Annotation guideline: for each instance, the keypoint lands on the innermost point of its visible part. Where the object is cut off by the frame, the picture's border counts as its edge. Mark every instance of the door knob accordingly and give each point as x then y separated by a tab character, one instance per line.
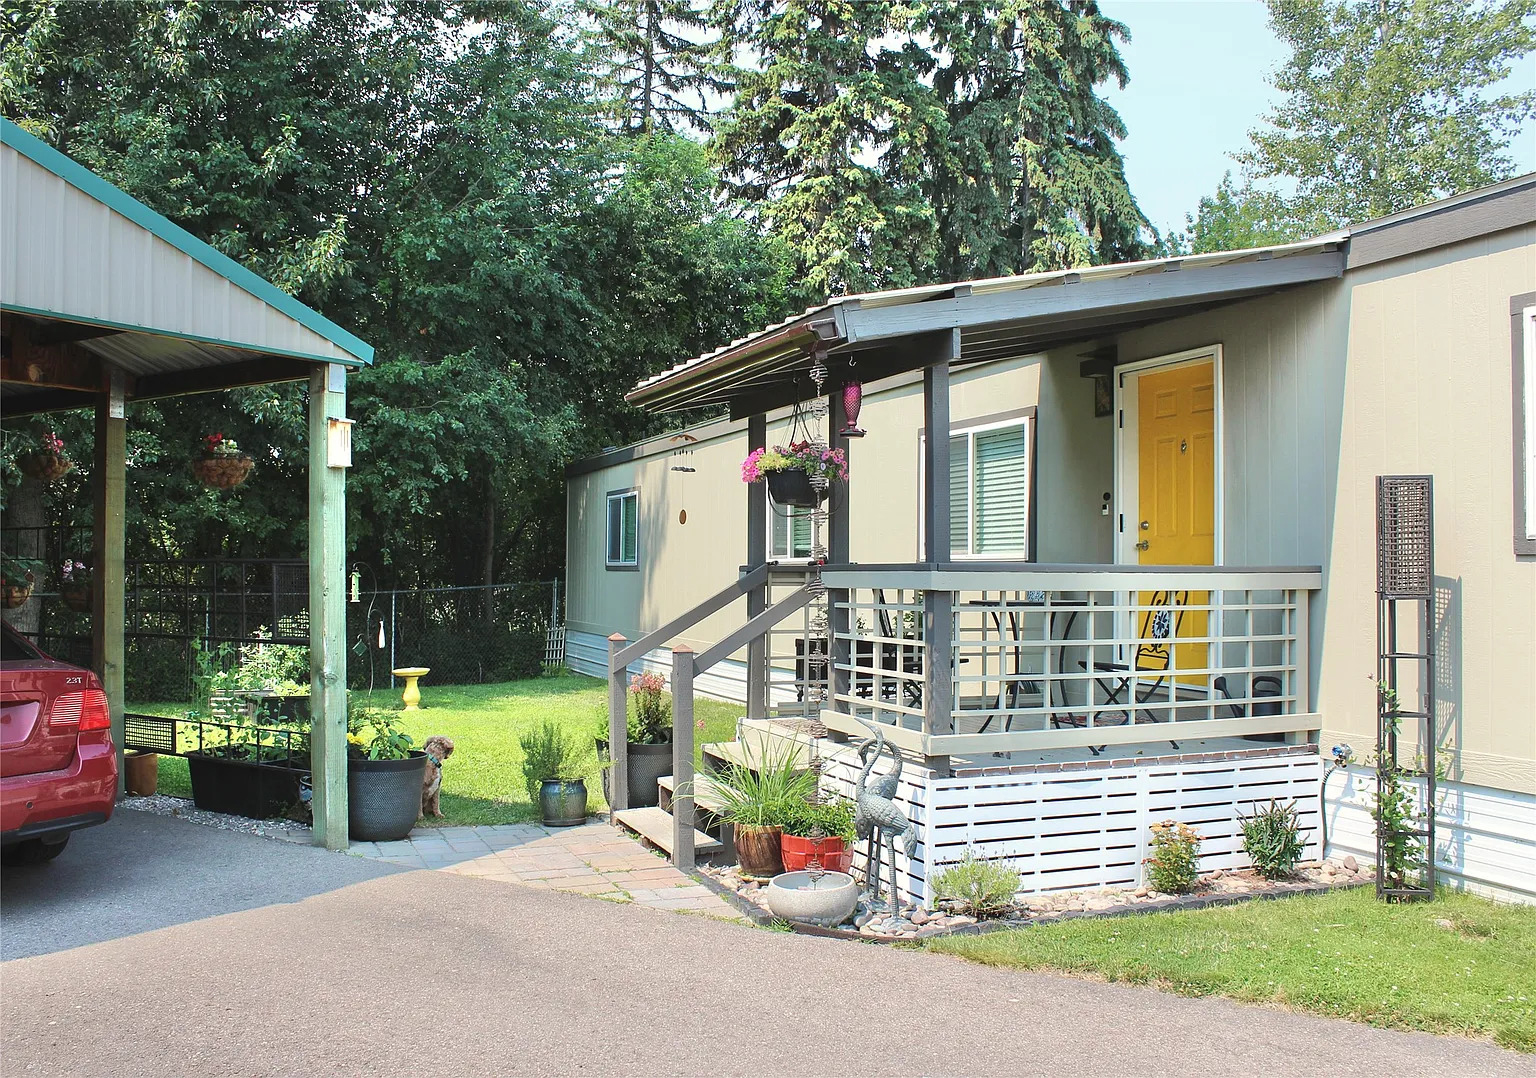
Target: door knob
1143	545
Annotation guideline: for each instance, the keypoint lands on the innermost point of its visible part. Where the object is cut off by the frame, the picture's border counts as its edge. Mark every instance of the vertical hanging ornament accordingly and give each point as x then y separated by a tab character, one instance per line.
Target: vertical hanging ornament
853	401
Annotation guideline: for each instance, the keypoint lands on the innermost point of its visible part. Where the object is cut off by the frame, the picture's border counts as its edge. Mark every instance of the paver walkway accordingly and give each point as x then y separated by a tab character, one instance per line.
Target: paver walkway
594	859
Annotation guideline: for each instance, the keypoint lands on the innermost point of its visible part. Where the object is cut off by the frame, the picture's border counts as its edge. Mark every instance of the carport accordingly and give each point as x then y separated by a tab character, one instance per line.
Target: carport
104	301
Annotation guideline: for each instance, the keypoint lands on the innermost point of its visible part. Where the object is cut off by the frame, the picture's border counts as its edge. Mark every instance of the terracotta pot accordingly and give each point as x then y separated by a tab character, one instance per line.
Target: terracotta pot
141	773
757	850
44	466
14	595
797	852
77	597
223	473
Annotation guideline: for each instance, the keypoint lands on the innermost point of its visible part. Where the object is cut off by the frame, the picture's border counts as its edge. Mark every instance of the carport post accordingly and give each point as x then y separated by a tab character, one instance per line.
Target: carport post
327	609
107	550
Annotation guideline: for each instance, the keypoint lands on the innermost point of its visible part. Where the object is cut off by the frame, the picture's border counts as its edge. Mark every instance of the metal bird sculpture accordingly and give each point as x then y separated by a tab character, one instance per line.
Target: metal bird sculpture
876	819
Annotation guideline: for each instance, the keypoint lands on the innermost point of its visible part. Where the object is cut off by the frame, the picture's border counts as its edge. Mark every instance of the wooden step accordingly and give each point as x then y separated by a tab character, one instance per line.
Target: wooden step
749	751
706	796
655	826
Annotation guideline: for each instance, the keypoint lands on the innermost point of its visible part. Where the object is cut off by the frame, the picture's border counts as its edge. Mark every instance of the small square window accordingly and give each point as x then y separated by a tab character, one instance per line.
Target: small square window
623	528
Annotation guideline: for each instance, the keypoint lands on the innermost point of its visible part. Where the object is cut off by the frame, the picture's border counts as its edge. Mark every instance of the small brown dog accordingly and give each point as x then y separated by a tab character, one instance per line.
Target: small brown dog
438	749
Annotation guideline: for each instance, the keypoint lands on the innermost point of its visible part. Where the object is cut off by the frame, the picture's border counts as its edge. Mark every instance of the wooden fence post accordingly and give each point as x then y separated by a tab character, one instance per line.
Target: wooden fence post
682	757
618	731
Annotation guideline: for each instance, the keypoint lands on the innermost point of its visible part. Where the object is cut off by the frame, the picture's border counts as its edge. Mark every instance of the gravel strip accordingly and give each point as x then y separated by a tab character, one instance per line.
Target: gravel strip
164	805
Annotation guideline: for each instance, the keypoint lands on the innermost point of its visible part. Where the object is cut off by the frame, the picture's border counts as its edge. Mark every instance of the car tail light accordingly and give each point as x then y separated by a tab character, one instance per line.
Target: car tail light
87	709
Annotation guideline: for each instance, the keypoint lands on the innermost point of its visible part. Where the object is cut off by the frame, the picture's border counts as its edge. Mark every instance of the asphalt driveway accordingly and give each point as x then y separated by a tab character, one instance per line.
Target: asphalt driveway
293	969
139	872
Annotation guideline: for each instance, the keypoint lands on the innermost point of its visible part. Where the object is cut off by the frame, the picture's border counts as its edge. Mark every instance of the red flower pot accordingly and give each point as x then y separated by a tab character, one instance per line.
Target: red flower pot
798	851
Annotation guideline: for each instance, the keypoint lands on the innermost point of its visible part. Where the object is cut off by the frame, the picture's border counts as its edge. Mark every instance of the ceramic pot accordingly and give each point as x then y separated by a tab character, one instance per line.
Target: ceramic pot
798	851
563	802
141	773
757	850
384	797
648	764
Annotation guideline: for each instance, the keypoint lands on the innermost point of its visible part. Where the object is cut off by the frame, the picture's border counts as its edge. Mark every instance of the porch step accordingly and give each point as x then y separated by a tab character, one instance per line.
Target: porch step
655	826
750	754
706	795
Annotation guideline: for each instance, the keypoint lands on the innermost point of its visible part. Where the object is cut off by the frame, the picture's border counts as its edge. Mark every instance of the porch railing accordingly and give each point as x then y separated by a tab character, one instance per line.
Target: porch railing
971	658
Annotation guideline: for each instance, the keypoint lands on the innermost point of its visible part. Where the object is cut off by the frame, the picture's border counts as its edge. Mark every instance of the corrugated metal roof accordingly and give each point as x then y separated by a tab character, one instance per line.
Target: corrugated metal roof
80	250
995	314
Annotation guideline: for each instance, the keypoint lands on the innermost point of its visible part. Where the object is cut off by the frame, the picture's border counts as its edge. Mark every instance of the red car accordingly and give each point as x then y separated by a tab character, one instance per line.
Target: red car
58	767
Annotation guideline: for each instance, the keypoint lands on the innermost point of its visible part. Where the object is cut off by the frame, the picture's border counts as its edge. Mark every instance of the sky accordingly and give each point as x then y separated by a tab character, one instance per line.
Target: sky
1198	84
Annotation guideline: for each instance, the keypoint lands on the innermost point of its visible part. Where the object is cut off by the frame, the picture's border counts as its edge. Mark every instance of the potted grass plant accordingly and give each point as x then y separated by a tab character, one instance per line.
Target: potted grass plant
554	772
756	802
789	469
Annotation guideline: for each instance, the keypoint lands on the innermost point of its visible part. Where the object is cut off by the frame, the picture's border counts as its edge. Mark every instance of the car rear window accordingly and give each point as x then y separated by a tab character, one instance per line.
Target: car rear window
14	648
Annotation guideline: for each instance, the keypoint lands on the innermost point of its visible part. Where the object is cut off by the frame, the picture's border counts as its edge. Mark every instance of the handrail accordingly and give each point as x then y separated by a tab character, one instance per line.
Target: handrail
1004	576
754	628
688	619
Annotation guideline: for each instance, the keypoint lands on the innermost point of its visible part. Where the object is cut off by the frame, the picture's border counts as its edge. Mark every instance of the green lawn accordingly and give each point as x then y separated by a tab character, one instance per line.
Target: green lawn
483	781
1460	964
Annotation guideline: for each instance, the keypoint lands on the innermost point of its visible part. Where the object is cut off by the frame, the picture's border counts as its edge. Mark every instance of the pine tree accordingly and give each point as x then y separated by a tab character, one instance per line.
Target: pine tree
656	64
1026	174
821	97
1390	103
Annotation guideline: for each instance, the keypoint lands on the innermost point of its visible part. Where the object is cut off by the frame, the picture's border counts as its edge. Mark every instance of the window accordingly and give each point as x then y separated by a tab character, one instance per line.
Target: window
989	489
1523	326
790	536
623	529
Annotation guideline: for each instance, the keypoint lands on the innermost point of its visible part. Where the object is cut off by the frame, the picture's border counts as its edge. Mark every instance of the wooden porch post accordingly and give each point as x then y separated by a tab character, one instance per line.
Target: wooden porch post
327	610
938	610
682	757
618	730
757	554
107	543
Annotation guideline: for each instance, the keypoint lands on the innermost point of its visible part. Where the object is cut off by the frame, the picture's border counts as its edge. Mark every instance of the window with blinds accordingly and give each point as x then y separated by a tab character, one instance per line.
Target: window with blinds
791	532
989	490
623	528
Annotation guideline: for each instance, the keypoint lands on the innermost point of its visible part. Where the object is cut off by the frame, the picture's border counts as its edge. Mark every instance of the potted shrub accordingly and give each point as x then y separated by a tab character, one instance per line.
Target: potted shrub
17	577
788	470
47	461
384	777
650	739
75	586
222	465
554	771
822	831
757	802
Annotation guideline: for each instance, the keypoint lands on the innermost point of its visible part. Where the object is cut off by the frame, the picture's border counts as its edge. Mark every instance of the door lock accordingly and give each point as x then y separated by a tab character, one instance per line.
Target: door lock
1143	545
1146	525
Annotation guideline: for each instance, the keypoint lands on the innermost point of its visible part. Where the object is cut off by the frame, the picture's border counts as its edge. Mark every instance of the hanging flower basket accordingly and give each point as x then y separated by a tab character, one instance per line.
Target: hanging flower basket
77	597
222	465
41	464
14	595
223	473
793	487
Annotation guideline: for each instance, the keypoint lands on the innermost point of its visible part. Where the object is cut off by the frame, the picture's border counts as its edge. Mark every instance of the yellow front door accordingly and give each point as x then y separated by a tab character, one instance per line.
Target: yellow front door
1176	517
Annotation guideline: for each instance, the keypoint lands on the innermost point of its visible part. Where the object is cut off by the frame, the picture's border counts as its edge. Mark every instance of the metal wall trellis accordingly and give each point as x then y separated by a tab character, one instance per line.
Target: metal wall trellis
1405	593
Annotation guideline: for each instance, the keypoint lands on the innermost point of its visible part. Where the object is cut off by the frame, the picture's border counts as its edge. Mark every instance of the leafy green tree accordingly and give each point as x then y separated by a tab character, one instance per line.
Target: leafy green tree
655	63
824	93
1025	172
1236	218
1392	103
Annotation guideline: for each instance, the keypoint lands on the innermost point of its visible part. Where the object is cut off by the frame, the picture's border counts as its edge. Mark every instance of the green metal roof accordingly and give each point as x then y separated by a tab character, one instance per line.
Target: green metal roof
120	202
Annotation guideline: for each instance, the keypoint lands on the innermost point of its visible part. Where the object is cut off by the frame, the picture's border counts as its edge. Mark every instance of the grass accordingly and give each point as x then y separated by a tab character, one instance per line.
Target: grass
483	781
1460	964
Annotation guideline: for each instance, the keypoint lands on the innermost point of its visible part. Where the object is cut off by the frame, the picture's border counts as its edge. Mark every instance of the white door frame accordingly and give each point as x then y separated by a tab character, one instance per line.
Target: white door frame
1127	470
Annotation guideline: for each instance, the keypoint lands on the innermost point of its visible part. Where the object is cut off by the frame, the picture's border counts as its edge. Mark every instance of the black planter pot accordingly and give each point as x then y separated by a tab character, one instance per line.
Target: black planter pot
793	487
244	788
563	802
384	797
647	765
